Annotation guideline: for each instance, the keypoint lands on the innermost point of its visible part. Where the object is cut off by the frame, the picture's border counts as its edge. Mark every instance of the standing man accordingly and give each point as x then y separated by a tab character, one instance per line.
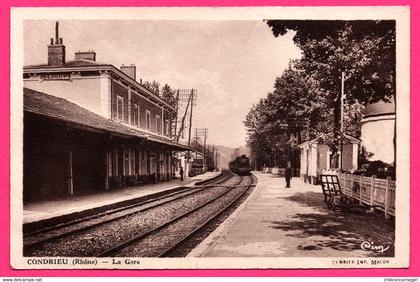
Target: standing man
288	174
181	173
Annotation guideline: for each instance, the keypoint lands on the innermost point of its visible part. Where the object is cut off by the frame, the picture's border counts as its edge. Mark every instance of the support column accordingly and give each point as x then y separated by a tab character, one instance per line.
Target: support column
70	188
129	107
108	170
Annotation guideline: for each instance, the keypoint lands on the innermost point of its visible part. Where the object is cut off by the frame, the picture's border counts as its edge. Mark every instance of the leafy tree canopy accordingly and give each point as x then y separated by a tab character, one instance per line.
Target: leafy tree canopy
277	123
364	50
168	94
311	86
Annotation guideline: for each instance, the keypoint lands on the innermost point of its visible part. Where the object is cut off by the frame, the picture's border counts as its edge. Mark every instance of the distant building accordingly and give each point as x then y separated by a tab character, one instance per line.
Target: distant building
316	157
92	127
378	131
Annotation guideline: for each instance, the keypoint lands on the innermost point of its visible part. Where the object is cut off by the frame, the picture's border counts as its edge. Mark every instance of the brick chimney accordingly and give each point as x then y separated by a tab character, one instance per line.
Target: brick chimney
129	70
88	55
56	50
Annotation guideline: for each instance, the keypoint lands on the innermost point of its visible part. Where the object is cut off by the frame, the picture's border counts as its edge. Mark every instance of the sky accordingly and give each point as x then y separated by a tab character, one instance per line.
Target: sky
232	64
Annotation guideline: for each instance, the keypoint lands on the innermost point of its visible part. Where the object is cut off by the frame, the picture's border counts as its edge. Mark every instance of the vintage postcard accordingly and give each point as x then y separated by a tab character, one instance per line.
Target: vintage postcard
210	138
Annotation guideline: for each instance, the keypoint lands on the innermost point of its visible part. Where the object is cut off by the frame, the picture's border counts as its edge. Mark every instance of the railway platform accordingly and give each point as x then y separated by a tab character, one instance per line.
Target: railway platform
275	221
55	208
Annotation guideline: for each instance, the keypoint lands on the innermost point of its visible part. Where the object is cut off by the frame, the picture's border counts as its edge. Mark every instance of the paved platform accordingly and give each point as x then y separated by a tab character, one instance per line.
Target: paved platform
293	222
42	210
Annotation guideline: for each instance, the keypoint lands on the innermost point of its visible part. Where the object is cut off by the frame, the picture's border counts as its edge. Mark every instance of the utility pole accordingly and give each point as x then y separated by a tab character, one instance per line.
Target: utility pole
204	149
191	113
196	142
183	97
342	120
176	115
202	132
217	160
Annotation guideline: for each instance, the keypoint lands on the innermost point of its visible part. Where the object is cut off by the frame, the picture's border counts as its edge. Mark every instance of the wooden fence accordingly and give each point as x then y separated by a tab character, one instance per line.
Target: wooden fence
370	190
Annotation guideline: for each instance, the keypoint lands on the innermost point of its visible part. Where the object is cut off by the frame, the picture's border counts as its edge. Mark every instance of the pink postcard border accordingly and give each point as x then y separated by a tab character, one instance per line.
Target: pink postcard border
6	270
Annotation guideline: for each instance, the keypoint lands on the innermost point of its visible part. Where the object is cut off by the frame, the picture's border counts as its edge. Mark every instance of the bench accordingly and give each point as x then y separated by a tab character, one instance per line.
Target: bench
336	199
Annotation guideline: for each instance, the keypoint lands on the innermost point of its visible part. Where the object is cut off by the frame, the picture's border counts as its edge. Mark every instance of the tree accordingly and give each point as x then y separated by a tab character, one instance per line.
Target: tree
277	124
364	50
152	86
168	94
155	87
256	139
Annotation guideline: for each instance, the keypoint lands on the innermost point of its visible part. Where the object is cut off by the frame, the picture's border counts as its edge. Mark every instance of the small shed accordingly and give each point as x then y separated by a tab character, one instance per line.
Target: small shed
313	159
315	156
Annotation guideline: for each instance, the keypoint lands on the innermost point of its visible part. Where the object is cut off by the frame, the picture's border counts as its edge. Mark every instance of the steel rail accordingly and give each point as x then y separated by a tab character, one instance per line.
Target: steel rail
222	177
185	192
101	214
131	241
204	224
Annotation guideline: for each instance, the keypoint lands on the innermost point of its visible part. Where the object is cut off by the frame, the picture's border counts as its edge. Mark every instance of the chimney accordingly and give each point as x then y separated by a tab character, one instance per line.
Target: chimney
129	70
56	50
88	55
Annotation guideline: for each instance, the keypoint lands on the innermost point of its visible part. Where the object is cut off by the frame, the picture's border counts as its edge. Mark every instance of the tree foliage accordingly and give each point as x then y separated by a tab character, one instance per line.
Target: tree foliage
168	94
152	86
277	123
363	50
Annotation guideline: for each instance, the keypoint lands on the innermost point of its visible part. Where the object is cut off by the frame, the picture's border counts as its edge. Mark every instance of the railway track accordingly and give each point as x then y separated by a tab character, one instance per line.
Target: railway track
170	235
55	241
41	236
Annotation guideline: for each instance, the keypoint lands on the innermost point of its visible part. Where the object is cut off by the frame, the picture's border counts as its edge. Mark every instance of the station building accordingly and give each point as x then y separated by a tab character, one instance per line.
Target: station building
92	127
377	133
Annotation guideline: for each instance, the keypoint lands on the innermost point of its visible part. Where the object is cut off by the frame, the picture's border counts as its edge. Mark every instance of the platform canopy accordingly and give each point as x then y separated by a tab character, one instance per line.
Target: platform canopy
75	116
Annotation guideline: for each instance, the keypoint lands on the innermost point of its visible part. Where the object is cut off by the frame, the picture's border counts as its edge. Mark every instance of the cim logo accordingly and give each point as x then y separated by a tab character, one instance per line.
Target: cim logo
370	246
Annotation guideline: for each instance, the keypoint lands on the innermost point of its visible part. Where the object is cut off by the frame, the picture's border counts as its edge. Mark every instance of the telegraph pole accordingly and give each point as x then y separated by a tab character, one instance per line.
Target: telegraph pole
204	149
176	115
196	142
202	132
191	112
342	120
184	97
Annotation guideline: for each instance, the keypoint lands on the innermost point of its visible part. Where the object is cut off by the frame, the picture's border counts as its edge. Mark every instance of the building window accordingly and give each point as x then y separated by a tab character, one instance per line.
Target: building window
167	128
136	115
120	108
148	121
158	125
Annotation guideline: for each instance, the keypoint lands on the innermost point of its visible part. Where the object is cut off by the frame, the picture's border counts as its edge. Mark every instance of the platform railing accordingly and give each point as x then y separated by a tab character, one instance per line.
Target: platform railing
370	190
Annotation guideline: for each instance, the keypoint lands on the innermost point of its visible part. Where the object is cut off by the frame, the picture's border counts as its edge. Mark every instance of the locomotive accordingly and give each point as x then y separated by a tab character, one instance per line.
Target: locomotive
240	165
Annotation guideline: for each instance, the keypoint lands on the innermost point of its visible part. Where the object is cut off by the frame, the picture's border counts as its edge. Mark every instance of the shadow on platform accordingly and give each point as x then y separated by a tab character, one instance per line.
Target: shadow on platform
335	230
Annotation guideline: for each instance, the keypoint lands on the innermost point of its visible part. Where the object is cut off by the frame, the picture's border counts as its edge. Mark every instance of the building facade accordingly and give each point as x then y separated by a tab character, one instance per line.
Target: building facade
315	157
132	145
378	131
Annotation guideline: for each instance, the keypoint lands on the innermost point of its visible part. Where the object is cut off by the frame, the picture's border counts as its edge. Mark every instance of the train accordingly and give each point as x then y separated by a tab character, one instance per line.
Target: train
240	165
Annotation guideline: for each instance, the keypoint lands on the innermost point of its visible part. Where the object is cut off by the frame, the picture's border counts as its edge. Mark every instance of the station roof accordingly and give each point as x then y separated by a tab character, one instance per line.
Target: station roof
88	65
63	110
68	64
